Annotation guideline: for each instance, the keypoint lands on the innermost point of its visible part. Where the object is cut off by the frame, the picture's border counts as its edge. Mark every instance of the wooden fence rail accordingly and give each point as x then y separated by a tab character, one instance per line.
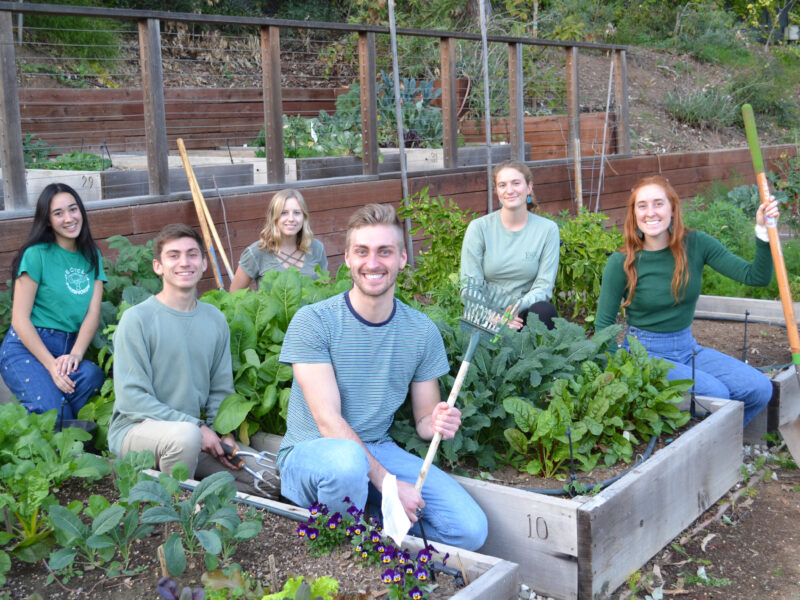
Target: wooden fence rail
206	118
156	106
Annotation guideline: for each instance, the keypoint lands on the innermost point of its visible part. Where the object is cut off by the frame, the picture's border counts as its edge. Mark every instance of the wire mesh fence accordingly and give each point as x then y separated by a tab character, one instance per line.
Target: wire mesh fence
83	115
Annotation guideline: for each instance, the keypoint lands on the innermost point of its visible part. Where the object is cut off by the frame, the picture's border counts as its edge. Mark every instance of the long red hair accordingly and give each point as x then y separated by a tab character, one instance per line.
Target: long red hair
634	243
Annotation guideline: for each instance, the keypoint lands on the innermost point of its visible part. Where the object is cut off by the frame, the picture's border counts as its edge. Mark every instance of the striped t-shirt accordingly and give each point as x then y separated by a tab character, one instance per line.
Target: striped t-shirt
374	364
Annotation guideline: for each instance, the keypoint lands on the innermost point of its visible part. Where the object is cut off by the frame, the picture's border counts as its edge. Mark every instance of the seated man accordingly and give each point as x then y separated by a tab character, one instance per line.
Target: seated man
172	367
354	357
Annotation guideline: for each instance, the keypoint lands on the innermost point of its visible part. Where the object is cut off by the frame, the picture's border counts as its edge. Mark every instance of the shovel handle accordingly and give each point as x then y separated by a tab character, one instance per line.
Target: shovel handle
451	400
774	240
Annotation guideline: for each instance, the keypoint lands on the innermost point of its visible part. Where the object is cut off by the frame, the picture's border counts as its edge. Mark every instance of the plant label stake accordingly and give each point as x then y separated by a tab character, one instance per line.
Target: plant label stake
790	431
487	310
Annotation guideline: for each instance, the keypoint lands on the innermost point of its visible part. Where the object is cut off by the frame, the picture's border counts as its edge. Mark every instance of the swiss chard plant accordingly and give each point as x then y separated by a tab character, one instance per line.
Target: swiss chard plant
33	462
258	322
601	412
525	364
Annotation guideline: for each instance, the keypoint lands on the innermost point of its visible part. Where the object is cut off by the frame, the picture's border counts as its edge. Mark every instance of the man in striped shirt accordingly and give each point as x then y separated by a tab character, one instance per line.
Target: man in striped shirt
355	358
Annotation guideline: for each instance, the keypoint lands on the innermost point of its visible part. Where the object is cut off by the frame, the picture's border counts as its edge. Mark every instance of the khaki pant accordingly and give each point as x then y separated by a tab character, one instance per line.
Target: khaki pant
179	441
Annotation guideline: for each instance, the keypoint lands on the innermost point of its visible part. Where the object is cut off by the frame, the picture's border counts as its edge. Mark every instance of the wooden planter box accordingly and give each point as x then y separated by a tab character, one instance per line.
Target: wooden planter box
784	406
488	577
586	547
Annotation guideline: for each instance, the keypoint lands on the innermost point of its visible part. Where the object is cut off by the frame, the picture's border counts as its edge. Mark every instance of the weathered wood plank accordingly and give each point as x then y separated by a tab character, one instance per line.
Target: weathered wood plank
631	520
153	93
14	194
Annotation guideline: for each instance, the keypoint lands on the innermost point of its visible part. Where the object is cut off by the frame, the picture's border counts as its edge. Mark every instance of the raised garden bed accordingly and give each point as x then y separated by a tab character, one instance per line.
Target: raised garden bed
488	577
585	547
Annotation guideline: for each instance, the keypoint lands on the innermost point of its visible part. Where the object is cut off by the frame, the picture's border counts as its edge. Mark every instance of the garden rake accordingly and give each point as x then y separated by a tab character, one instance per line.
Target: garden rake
267	477
487	309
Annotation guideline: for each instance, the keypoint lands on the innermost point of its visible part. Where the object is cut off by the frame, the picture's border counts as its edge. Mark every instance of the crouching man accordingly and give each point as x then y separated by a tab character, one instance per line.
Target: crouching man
172	367
354	358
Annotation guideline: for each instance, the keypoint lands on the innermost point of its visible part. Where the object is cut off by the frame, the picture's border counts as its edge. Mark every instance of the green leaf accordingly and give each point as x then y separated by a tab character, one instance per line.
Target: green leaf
61	559
210	540
159	514
99	542
232	413
213	484
517	440
247	530
149	491
175	555
107	520
67	524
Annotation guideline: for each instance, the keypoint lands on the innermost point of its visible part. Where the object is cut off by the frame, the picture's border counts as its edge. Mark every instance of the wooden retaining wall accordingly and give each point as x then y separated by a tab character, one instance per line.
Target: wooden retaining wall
549	136
331	204
205	117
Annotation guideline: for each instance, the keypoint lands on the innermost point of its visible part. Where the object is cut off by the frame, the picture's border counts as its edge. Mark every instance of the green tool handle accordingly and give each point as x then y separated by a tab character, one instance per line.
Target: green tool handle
774	239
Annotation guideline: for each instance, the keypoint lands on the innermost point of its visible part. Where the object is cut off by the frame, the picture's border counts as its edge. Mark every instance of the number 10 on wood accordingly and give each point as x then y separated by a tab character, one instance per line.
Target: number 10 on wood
537	528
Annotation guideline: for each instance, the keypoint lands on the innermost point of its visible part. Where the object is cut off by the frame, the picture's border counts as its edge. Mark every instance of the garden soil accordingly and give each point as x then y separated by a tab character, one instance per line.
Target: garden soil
746	544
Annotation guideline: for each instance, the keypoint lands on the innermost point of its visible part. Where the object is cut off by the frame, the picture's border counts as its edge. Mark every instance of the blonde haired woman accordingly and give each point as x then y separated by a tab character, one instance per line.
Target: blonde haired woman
286	241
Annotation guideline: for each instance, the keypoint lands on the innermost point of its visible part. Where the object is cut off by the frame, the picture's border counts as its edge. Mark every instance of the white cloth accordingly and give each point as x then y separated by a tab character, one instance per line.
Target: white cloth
395	521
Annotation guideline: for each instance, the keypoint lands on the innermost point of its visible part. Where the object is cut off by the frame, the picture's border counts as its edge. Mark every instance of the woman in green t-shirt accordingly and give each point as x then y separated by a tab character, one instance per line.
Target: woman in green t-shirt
657	275
285	241
57	288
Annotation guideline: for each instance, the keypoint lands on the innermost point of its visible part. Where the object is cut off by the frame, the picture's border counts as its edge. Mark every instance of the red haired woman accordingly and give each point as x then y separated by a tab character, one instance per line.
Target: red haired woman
657	275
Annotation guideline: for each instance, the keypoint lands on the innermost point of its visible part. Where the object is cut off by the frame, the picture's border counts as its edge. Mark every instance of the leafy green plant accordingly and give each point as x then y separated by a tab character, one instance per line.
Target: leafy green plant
208	520
585	247
525	364
78	161
33	461
443	223
601	412
258	322
113	529
297	588
36	151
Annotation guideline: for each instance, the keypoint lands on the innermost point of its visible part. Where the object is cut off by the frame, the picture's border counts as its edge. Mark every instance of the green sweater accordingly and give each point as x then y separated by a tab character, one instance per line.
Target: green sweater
169	365
524	262
654	308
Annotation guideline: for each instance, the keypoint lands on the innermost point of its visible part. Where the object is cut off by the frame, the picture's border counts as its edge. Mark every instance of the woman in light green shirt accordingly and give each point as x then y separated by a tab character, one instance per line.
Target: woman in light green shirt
286	241
514	248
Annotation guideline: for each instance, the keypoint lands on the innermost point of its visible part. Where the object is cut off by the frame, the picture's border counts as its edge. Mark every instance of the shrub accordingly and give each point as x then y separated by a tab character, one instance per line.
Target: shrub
710	108
585	247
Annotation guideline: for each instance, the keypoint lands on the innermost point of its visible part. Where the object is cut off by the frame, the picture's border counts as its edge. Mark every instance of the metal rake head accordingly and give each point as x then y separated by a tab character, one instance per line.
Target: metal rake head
487	307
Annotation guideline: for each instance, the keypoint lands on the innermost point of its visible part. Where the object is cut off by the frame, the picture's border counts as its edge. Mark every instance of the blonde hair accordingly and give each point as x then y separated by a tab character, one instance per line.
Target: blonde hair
271	234
526	173
375	214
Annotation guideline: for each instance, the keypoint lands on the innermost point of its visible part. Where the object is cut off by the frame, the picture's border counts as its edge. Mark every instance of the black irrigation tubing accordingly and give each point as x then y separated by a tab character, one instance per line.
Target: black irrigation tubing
602	484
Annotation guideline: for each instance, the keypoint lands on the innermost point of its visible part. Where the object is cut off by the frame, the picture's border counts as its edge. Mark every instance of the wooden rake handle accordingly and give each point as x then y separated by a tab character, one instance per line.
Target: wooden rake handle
451	400
774	239
204	216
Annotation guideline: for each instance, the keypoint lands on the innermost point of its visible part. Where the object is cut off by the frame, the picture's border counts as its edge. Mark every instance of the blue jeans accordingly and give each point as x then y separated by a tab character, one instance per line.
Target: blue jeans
31	383
327	469
716	374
